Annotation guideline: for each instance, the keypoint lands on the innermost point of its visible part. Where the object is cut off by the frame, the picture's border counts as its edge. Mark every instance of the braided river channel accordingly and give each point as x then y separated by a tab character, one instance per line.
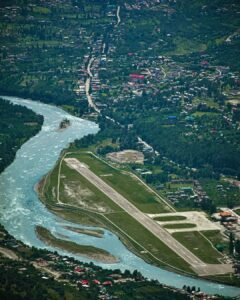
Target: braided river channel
21	210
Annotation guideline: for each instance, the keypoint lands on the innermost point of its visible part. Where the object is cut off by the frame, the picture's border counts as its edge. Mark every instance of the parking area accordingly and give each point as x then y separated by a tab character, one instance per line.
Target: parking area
192	217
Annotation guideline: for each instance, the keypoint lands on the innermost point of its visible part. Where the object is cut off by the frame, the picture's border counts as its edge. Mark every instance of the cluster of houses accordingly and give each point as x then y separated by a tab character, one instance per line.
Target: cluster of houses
148	73
229	219
85	276
191	191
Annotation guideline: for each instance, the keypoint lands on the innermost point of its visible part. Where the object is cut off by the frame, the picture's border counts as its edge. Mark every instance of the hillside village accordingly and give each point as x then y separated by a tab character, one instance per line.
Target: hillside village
83	280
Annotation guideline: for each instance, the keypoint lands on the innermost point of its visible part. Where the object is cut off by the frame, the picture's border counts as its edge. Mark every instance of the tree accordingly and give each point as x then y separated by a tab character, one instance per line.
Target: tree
237	247
231	243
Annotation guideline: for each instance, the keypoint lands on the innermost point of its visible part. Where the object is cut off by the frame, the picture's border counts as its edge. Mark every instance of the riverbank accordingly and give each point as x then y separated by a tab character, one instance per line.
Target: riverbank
128	230
96	232
23	266
88	217
18	124
88	251
23	210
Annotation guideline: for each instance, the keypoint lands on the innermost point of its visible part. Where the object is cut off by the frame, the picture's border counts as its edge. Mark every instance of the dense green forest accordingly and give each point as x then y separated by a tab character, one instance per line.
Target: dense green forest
208	144
17	125
29	284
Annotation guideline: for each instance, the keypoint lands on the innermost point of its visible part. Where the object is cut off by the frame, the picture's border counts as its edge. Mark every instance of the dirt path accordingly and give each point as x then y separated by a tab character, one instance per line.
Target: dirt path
8	253
198	266
118	16
55	274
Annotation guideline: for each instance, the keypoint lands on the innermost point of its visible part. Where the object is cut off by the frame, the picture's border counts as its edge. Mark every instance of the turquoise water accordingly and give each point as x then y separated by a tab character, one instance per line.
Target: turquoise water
21	209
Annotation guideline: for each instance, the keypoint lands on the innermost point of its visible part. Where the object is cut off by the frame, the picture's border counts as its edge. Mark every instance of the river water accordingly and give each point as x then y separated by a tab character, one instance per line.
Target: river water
21	210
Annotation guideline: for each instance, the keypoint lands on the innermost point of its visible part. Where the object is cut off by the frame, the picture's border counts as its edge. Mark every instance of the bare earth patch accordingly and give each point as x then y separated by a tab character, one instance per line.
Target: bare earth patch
126	156
82	197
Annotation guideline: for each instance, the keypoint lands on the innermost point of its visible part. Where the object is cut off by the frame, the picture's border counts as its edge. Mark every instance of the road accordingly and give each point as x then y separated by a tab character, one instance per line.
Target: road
87	86
118	16
140	141
89	67
164	73
197	265
103	48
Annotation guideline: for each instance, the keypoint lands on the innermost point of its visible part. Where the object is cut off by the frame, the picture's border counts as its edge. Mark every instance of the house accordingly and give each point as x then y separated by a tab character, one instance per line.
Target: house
84	283
96	281
107	283
78	270
136	76
225	214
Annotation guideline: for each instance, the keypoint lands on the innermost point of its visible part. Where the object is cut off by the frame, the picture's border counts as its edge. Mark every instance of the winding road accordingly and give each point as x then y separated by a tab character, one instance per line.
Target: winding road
88	84
118	15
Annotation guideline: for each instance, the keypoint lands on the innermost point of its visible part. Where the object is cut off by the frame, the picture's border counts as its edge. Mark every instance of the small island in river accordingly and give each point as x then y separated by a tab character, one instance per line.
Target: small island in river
89	251
65	123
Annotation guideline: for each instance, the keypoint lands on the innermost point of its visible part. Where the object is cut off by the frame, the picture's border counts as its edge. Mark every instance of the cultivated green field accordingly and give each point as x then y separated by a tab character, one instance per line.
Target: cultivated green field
195	242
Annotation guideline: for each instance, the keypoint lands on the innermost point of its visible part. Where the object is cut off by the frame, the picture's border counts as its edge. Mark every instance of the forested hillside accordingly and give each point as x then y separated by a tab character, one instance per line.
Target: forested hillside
17	125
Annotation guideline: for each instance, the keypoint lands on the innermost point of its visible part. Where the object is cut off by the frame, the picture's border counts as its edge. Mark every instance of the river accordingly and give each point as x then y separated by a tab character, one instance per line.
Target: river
21	210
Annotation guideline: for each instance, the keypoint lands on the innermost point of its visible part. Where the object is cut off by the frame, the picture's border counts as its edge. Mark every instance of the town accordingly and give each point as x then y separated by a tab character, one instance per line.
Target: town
162	80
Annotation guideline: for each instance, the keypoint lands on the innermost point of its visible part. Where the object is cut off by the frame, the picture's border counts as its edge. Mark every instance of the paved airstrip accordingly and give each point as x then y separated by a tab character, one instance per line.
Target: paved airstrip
156	229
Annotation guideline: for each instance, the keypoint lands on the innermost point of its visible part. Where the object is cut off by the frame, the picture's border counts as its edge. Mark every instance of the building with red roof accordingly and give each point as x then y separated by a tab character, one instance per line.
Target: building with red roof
136	76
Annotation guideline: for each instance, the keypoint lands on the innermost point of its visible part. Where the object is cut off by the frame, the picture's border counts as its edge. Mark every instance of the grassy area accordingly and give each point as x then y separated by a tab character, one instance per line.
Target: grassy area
176	187
226	279
221	192
95	209
78	191
179	226
209	102
92	252
203	113
41	10
196	243
130	232
237	211
170	218
140	235
134	190
185	46
217	239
